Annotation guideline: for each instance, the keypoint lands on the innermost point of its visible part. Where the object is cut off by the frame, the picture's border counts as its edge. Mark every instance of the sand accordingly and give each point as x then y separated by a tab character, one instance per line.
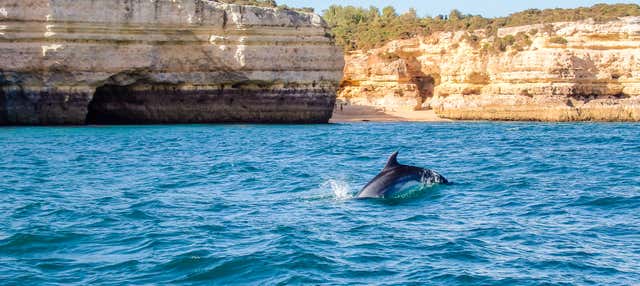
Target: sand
356	113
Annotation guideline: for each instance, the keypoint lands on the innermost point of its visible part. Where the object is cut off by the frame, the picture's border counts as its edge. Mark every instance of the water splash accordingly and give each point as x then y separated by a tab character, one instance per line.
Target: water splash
341	189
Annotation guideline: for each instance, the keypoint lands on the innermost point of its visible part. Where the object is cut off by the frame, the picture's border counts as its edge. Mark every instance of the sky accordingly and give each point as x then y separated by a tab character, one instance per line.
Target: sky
487	8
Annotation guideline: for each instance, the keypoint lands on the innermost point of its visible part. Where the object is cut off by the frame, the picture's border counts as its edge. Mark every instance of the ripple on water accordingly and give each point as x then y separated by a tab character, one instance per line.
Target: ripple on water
28	244
532	204
608	202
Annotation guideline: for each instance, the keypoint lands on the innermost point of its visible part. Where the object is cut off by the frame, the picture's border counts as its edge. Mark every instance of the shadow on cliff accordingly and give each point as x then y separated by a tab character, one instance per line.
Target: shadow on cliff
587	86
425	83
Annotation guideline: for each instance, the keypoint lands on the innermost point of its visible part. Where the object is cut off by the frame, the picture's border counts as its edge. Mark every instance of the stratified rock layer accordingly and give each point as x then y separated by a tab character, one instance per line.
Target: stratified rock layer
574	71
163	61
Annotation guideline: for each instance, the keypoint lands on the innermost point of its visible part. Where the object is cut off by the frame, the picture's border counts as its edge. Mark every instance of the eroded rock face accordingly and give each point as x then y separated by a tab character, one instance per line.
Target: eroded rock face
163	61
576	71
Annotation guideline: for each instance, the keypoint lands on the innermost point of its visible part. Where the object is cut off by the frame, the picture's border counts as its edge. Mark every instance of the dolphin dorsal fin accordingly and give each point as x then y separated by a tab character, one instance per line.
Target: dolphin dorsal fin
393	161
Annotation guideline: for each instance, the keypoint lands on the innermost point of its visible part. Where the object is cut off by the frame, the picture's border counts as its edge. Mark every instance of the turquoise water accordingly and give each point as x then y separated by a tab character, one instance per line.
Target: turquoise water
249	204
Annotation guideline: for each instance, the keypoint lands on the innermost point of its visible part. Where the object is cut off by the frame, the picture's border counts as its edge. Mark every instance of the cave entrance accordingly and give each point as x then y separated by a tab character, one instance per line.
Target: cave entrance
3	107
425	85
112	104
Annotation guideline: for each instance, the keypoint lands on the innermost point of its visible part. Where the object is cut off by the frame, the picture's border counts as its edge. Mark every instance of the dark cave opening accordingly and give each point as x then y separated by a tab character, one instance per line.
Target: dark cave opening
109	105
426	85
3	107
142	102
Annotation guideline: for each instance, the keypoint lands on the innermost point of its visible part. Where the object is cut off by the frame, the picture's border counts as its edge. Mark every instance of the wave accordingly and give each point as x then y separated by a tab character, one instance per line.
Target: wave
607	202
30	242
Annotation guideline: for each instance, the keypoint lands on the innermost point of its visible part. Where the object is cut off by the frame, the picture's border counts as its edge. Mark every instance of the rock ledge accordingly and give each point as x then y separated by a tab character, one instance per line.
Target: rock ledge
163	61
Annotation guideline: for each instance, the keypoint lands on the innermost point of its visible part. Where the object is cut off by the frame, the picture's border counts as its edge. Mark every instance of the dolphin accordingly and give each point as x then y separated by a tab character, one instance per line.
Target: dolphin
396	179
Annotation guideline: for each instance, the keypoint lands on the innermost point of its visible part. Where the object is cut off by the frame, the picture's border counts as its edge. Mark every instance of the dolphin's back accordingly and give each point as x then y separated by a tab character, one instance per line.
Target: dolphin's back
395	177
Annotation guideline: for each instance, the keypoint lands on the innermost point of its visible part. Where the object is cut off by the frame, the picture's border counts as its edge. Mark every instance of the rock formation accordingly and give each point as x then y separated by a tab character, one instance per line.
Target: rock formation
163	61
573	71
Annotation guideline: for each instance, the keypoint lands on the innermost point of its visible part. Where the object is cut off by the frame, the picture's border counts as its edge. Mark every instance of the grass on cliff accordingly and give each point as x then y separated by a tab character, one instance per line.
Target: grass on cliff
267	3
357	28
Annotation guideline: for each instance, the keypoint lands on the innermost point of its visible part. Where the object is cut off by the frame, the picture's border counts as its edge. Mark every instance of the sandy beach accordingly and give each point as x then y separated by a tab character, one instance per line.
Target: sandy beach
358	113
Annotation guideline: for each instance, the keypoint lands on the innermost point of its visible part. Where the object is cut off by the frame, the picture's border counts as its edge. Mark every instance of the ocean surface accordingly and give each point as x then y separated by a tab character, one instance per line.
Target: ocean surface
531	204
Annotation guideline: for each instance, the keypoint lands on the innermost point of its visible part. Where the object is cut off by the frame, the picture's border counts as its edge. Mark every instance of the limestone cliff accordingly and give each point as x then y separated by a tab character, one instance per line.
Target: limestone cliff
163	61
573	71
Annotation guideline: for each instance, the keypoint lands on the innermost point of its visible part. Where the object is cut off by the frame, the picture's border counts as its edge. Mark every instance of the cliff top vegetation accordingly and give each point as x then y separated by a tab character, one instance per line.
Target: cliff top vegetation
266	3
364	28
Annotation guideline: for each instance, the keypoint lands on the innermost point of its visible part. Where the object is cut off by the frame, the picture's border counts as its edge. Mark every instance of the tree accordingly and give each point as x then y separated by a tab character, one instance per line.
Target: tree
389	12
455	15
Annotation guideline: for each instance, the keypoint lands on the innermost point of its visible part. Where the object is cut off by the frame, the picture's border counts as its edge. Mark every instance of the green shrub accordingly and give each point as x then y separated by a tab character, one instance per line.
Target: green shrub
267	3
260	3
501	44
472	40
558	40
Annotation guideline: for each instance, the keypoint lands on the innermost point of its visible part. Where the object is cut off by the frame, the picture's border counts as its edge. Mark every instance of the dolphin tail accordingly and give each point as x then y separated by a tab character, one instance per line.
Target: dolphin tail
393	161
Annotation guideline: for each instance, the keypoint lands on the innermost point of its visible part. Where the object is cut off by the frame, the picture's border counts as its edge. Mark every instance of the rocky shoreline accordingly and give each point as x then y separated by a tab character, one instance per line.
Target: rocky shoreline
164	61
572	71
